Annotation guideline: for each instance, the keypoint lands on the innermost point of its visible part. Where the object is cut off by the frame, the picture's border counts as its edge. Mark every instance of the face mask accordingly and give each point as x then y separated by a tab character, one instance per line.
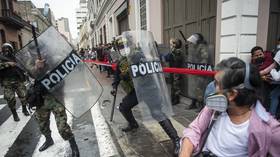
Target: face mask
278	46
259	60
125	52
217	102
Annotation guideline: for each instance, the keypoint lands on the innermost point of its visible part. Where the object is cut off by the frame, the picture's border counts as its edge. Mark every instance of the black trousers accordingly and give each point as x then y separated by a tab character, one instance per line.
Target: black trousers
128	102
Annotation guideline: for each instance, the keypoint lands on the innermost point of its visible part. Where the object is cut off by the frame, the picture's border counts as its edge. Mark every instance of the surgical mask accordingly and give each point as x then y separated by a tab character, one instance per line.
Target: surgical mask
124	52
278	46
217	102
259	60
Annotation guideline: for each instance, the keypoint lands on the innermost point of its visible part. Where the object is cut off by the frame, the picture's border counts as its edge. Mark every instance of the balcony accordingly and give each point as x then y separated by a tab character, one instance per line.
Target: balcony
10	18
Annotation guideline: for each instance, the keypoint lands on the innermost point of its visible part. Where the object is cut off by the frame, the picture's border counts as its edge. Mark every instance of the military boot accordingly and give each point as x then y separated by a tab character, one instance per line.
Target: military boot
15	115
172	134
47	144
132	123
74	147
25	111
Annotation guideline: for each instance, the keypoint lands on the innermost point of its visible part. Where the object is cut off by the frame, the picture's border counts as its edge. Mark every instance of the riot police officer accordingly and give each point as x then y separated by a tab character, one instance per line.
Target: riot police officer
197	51
51	105
175	59
12	79
123	77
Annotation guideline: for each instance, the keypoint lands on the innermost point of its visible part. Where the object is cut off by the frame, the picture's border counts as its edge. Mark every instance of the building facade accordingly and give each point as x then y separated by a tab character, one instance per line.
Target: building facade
11	24
110	19
15	21
62	25
81	13
230	27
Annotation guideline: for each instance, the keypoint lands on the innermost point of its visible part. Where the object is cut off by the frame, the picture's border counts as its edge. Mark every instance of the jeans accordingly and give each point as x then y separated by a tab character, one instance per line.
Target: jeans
274	96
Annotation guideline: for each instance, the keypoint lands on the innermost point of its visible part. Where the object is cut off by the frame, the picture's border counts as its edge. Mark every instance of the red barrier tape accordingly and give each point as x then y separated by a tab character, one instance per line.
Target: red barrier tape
189	71
165	69
114	66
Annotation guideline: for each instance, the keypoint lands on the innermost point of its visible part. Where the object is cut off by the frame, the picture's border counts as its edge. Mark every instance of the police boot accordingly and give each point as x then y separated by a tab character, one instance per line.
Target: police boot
172	134
176	100
24	111
74	147
47	144
132	123
193	105
15	115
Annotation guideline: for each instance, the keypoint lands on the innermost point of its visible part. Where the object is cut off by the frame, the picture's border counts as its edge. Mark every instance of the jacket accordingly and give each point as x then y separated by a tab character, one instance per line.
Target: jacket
264	132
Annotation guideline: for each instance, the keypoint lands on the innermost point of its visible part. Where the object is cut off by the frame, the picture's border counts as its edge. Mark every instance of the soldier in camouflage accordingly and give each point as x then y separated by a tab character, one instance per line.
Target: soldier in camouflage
12	79
175	60
52	105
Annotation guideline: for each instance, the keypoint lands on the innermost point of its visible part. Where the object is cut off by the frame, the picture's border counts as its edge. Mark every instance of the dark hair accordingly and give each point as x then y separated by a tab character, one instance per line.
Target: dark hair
178	43
279	39
235	74
254	49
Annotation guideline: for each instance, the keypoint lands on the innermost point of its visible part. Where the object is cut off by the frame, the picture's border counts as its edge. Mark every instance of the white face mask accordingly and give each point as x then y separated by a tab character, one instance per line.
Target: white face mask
124	52
217	102
278	46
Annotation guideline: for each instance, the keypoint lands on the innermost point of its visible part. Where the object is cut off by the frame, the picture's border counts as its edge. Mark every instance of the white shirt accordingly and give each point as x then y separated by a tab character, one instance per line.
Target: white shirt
227	139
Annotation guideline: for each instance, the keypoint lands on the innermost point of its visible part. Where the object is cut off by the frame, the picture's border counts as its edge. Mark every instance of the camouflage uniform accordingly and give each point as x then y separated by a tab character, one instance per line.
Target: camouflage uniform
176	61
12	80
43	117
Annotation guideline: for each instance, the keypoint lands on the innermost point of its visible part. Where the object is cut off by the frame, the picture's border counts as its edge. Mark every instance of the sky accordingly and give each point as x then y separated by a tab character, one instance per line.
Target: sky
62	8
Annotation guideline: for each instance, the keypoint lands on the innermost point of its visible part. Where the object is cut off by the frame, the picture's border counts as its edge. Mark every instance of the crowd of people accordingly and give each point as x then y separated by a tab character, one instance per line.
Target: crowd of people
240	105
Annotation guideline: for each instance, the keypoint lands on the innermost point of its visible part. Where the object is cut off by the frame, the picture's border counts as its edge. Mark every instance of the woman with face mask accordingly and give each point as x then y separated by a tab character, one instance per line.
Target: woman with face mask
243	127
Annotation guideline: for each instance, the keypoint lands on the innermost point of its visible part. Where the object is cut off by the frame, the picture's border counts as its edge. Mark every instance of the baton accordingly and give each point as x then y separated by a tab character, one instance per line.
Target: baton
36	42
113	105
183	35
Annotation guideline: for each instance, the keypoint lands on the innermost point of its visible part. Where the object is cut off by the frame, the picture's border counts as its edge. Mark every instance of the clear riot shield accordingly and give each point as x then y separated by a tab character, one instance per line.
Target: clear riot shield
64	75
147	75
199	57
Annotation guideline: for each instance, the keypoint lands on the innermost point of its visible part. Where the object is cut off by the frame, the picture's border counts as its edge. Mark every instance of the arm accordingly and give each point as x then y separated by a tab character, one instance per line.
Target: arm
275	74
275	139
268	69
4	65
187	148
192	135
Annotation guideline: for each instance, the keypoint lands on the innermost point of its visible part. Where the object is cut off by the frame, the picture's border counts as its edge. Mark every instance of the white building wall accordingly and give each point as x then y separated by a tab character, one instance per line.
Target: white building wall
238	28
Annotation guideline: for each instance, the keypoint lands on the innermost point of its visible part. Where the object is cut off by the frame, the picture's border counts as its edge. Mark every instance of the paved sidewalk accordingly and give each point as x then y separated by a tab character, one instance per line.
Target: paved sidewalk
149	140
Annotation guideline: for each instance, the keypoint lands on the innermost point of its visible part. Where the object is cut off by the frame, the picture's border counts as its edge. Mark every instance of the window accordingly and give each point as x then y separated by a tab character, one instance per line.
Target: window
20	41
143	15
105	38
3	36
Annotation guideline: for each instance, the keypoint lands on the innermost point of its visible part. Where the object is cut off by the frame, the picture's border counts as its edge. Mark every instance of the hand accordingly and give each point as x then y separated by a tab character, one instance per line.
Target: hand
267	78
114	92
40	63
12	64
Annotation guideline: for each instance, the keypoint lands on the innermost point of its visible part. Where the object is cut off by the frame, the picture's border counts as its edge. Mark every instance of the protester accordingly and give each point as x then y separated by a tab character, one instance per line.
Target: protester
263	59
237	131
275	93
